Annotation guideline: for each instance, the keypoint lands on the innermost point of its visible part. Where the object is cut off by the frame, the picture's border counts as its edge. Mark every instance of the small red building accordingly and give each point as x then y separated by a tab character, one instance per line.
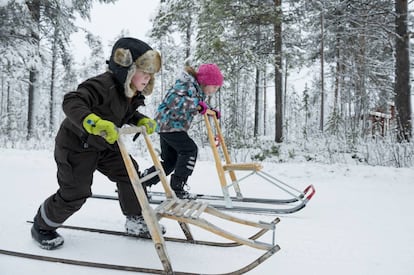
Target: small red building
380	122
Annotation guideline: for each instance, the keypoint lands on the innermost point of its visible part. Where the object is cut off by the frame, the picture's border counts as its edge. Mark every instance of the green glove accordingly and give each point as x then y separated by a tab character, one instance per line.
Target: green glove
94	125
149	123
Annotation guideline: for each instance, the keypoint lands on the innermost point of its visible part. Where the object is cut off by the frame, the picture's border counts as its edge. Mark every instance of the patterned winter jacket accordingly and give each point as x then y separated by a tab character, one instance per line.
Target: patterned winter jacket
179	105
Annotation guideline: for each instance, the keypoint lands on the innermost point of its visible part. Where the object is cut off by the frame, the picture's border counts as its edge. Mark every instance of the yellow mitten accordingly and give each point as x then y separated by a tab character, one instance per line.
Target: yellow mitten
149	123
94	125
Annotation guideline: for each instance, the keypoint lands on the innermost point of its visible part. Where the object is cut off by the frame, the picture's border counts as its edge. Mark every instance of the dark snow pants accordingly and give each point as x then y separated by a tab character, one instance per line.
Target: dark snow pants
74	174
178	154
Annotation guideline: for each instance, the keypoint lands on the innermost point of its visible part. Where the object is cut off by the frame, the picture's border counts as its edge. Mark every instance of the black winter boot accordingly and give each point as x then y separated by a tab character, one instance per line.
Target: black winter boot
177	185
47	239
151	181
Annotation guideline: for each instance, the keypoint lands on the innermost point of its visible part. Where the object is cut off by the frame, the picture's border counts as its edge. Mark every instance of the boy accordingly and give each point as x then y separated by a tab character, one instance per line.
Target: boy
86	140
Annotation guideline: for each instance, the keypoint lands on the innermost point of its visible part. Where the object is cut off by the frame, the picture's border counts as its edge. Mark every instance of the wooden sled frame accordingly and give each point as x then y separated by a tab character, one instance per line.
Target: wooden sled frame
226	166
185	211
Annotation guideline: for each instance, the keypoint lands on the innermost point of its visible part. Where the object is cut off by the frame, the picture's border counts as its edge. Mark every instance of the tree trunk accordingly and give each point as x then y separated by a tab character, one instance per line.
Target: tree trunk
402	73
30	111
321	122
264	102
285	98
34	8
2	93
337	78
278	73
256	104
8	109
52	84
188	40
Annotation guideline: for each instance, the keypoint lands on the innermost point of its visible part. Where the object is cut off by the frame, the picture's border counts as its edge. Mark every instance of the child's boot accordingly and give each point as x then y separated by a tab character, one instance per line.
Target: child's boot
177	185
136	226
46	239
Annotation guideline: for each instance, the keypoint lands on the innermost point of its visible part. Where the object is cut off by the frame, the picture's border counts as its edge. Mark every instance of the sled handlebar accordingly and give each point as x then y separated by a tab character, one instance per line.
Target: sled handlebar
132	130
210	112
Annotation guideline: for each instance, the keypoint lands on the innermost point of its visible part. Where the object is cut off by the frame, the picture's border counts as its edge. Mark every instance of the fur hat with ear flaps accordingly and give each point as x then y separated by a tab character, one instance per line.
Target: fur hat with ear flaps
128	55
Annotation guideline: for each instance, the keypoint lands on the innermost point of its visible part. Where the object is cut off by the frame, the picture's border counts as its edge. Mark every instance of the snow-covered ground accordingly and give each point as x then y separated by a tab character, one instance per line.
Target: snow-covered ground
359	222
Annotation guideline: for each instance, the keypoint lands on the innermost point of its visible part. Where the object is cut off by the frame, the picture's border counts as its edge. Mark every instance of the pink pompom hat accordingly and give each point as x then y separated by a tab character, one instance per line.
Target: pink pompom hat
209	74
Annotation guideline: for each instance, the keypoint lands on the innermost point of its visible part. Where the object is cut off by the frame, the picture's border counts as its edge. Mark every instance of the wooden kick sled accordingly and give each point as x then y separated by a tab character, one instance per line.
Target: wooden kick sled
187	212
227	176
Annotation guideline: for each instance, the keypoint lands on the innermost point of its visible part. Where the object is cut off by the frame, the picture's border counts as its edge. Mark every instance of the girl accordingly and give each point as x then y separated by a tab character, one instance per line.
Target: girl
174	116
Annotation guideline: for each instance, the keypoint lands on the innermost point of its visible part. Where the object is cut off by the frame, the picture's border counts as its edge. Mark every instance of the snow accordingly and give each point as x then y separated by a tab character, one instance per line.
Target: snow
358	222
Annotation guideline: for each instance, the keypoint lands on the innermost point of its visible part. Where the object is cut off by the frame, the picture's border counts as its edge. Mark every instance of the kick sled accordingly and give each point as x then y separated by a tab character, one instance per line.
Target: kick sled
188	212
226	171
280	198
185	212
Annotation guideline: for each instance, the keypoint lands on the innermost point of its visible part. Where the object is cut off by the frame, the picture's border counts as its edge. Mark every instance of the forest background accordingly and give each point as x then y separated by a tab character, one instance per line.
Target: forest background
355	104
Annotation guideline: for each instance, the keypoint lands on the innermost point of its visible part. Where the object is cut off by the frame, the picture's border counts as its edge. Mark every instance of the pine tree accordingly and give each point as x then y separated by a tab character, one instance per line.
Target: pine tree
402	73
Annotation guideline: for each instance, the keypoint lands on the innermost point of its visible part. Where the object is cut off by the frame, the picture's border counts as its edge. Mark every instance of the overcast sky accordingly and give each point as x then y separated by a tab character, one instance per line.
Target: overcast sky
108	20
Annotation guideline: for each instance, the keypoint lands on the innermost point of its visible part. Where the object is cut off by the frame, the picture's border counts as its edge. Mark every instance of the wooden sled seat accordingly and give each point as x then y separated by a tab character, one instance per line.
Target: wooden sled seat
189	212
181	208
253	166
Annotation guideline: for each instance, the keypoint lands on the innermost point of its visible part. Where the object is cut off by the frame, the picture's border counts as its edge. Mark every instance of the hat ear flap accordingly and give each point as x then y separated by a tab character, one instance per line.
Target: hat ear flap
128	89
150	86
123	57
149	62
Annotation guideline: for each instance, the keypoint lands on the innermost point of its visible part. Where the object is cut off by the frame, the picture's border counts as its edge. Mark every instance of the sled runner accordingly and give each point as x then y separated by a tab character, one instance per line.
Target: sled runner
184	211
275	203
226	171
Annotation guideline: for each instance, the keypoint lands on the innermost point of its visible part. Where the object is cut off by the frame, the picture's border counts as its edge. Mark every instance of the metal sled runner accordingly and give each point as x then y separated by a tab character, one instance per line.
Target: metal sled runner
274	203
226	169
186	212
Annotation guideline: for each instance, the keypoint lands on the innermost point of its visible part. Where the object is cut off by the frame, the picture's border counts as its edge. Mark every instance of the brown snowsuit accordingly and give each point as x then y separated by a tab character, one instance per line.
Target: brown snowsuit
78	154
